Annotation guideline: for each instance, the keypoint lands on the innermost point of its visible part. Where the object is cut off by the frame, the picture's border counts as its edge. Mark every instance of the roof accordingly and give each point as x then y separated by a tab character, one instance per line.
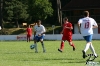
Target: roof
82	4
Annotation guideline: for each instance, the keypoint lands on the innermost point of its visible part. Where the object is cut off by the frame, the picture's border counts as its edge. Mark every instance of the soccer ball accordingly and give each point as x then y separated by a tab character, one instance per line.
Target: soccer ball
32	46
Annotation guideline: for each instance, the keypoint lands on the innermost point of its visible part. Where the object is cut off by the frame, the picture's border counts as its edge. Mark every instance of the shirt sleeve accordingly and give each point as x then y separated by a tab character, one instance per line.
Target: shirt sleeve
70	25
94	23
43	28
80	21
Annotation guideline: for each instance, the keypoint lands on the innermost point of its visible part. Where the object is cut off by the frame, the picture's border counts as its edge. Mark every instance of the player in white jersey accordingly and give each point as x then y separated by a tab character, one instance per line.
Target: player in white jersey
85	26
39	33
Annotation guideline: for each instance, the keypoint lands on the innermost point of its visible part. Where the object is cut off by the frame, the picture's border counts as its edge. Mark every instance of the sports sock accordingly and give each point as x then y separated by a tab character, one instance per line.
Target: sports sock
72	45
62	45
29	39
92	49
35	47
43	46
87	47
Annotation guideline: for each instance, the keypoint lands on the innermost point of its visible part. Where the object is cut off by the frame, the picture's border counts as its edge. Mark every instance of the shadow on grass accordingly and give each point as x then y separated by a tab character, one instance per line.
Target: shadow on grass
59	59
74	61
17	52
68	60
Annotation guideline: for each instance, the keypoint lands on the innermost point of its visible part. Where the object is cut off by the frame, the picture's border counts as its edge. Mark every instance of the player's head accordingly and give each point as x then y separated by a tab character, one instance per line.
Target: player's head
86	13
39	22
65	19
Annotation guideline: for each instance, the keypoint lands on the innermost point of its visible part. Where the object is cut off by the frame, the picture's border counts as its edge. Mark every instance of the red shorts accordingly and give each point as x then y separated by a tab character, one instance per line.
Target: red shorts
28	35
68	38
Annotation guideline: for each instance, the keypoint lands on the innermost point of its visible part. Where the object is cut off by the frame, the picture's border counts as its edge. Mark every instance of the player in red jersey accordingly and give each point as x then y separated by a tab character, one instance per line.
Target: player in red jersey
29	33
67	34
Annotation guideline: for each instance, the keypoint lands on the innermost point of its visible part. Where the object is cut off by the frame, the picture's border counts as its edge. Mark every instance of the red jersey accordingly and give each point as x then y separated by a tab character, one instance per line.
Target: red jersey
66	31
29	31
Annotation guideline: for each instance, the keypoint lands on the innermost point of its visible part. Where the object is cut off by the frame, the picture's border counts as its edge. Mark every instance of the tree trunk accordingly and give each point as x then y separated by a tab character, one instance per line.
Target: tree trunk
59	12
17	24
1	15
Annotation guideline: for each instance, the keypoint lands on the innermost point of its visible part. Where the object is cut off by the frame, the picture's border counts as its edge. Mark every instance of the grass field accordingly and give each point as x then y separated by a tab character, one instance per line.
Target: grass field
18	53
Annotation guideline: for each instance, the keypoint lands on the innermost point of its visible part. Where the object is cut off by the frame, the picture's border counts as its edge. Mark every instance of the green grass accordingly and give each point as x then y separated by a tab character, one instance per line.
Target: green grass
18	53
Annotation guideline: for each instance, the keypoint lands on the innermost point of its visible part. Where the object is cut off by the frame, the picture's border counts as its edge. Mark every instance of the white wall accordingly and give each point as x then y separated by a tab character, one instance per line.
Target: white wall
47	37
76	29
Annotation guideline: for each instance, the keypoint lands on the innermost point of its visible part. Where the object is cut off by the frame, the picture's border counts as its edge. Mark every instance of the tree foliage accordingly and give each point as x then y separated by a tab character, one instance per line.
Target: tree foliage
31	10
40	9
15	10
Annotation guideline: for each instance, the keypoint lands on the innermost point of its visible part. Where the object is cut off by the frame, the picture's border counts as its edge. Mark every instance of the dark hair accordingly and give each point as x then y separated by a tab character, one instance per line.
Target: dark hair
65	19
38	20
86	13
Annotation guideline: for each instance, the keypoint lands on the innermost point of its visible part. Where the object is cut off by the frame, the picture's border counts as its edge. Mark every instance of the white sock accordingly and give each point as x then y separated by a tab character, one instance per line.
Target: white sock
43	46
92	49
35	47
87	47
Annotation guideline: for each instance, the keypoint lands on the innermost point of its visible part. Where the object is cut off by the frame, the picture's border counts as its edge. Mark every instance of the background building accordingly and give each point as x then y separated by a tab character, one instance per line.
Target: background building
73	10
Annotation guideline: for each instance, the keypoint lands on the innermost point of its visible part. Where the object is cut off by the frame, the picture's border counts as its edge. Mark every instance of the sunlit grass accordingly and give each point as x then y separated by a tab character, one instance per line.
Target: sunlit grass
18	53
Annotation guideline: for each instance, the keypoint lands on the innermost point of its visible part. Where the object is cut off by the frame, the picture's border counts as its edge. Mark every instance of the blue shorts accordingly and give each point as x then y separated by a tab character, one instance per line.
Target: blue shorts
88	38
38	38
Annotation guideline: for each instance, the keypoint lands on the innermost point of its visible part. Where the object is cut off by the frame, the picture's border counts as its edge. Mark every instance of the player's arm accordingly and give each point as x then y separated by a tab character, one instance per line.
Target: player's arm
44	30
79	27
70	27
62	31
34	31
95	24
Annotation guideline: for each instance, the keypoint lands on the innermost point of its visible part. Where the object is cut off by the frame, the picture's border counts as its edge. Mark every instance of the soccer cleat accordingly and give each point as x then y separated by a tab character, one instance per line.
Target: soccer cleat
36	51
84	54
44	51
95	56
73	48
59	50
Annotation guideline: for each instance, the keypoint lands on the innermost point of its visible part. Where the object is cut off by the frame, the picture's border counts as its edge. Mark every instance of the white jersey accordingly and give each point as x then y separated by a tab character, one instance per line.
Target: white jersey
39	29
87	25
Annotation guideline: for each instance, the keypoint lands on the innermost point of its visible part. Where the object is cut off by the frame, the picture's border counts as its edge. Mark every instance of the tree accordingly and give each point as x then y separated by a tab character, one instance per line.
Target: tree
15	10
57	4
39	9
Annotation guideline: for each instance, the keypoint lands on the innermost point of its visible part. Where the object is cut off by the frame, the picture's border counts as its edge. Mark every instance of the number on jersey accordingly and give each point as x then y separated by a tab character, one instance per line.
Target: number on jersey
86	25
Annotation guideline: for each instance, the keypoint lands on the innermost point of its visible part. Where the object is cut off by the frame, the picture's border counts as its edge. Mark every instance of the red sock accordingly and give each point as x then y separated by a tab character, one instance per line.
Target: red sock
72	45
29	39
62	45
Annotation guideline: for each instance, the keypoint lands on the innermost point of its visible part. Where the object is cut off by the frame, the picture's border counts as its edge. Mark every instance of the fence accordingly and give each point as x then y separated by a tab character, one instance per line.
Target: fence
47	37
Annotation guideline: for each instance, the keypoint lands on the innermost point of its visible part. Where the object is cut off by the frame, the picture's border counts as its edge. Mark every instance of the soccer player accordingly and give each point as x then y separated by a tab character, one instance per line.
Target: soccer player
67	34
85	26
29	33
39	33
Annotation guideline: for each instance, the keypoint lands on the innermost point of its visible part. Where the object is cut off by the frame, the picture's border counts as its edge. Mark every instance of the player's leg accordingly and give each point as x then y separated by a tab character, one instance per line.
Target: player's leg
35	43
27	37
88	43
93	50
62	44
42	43
69	39
91	47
